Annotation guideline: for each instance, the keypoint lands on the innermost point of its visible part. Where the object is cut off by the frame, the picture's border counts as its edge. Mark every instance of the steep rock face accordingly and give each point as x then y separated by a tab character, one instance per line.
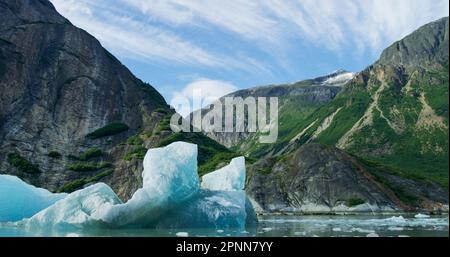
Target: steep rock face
393	120
58	84
394	113
427	46
324	179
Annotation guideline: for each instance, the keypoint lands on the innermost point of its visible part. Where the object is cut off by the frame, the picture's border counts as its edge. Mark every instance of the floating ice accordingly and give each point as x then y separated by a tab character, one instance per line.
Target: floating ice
421	216
395	228
82	208
19	200
182	234
396	219
170	198
211	209
228	178
169	179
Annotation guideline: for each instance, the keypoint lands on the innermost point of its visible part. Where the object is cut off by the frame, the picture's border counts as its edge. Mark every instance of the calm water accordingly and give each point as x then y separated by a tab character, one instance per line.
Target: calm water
279	226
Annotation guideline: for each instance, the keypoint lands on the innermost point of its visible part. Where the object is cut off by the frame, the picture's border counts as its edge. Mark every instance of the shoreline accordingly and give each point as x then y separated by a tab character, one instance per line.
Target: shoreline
265	214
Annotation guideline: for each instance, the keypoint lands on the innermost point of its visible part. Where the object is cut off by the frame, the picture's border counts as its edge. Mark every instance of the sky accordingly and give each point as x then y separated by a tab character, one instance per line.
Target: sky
220	46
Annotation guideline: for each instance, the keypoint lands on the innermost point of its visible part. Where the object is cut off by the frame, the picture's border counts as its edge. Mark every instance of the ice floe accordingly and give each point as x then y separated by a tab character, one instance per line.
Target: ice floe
19	200
228	178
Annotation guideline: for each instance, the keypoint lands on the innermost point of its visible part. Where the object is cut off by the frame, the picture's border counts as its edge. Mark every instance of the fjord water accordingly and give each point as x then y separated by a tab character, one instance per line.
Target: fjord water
278	226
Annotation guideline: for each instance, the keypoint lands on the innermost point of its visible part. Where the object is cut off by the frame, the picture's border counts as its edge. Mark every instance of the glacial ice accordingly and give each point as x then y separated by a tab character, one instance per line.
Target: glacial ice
82	208
212	209
170	198
228	178
421	216
169	179
19	200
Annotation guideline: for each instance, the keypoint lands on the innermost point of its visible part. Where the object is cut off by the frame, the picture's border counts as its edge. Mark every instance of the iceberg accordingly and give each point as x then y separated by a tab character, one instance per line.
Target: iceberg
19	200
228	178
227	187
170	178
212	209
82	208
421	216
170	197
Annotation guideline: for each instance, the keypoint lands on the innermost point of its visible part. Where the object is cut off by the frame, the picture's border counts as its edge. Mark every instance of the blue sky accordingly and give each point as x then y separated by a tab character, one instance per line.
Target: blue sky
220	46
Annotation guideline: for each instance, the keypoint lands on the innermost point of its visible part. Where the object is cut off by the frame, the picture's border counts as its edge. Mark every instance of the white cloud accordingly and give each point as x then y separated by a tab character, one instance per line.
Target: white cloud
366	24
243	17
133	38
154	30
205	91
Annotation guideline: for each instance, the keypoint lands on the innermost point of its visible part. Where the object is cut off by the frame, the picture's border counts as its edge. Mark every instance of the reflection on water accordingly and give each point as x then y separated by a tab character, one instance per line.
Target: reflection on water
279	226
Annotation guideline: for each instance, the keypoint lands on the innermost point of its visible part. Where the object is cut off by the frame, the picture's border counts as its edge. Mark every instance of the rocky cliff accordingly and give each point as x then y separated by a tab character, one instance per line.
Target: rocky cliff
58	85
323	179
392	118
396	111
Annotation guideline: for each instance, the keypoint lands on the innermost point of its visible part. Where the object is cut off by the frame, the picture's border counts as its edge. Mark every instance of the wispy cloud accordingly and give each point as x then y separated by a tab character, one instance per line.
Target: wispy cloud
243	17
367	24
248	37
133	38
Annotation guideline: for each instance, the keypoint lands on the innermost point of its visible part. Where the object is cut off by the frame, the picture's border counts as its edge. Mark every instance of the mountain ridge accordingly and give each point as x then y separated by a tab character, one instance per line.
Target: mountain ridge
304	97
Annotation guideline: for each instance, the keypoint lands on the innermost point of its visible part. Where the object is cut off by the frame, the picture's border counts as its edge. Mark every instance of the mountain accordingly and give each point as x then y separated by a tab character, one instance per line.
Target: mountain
296	102
390	120
396	111
323	179
70	113
58	85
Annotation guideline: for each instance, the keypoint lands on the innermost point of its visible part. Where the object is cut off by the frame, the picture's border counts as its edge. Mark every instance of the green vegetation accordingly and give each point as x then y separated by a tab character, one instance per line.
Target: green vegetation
138	152
87	155
90	153
376	169
437	93
72	186
344	119
354	201
22	164
108	130
135	140
89	166
210	153
54	154
403	147
161	110
79	183
293	114
216	161
163	125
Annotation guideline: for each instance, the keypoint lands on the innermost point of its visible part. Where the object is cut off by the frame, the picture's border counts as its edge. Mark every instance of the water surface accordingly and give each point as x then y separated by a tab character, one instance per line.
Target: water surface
278	226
